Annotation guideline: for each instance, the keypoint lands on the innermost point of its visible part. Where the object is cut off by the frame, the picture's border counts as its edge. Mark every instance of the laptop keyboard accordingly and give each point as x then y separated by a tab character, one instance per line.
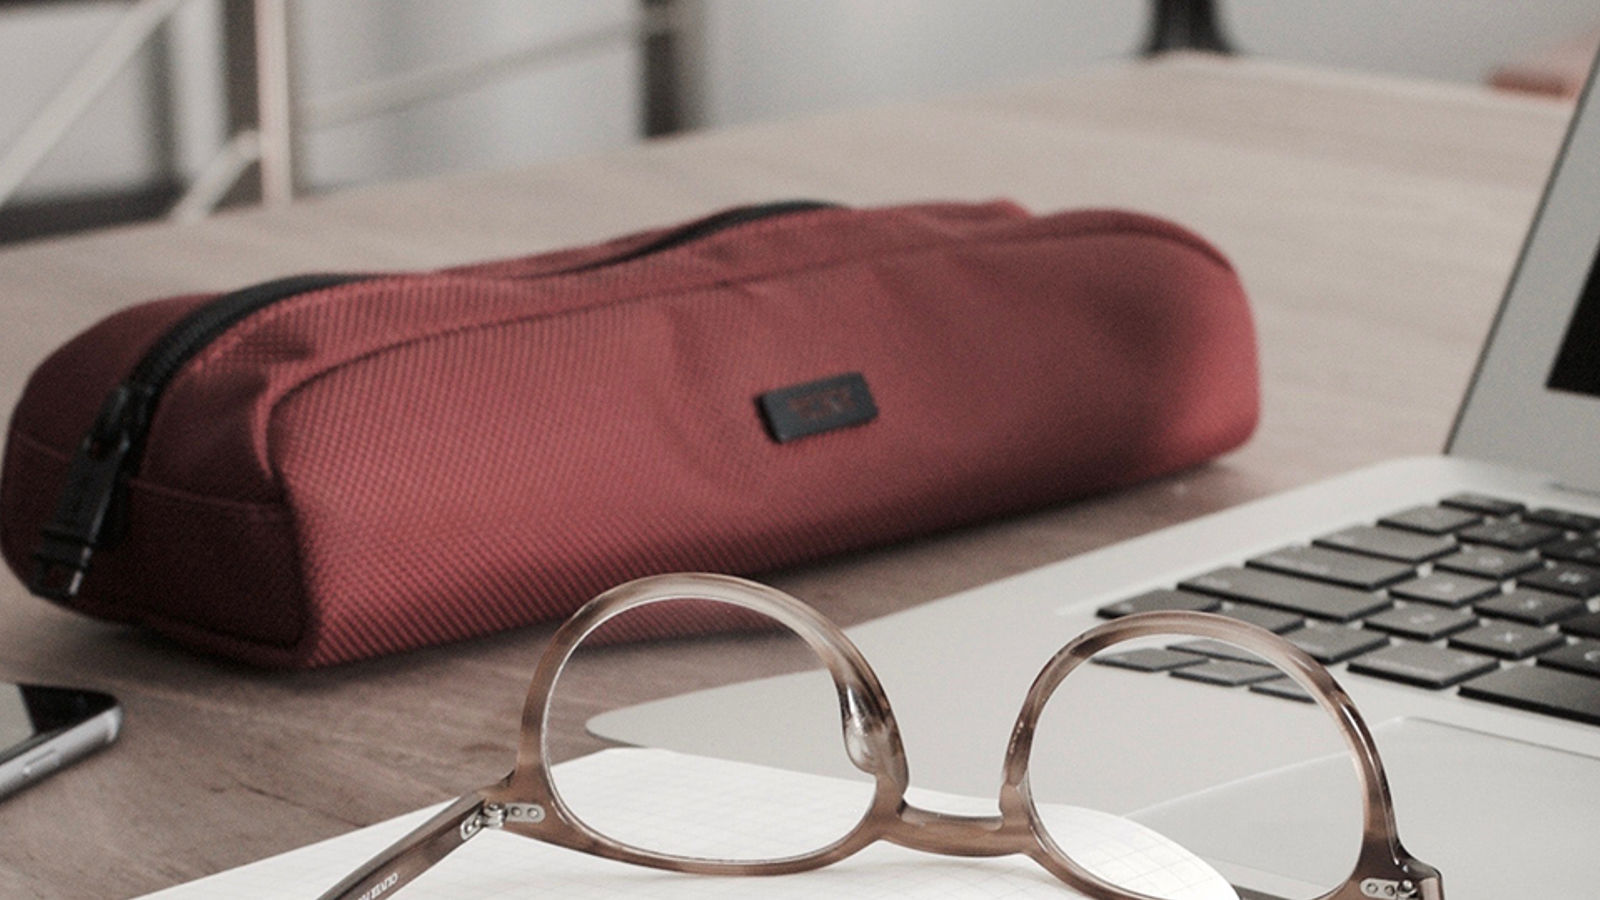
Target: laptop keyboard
1476	594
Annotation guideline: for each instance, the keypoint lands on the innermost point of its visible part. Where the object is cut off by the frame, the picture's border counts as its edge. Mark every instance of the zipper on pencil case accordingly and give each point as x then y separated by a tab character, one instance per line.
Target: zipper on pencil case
705	228
88	516
85	518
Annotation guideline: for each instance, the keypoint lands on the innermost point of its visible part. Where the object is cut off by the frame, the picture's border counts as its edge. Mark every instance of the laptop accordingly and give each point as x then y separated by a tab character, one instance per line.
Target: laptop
1472	647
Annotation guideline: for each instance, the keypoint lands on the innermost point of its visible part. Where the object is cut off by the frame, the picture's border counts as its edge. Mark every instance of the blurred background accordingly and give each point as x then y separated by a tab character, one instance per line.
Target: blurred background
120	111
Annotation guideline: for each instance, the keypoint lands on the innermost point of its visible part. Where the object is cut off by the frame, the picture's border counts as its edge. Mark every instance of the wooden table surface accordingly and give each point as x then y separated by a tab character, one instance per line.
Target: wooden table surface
1374	222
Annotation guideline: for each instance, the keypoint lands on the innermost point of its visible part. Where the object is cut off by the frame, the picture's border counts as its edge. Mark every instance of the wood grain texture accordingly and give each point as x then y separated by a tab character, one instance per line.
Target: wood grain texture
1374	222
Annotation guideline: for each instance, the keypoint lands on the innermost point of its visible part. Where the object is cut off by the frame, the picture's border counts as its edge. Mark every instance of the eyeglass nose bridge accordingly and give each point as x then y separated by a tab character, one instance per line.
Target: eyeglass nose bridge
954	834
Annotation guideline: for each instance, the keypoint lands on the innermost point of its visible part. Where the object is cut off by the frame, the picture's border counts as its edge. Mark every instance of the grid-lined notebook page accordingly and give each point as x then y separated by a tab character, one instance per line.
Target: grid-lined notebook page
501	866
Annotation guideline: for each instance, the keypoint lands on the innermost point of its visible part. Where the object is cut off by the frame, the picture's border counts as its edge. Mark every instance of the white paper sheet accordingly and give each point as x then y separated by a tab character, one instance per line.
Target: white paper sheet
501	866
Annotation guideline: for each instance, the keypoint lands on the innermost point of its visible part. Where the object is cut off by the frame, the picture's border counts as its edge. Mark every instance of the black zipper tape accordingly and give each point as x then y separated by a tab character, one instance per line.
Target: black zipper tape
88	517
707	227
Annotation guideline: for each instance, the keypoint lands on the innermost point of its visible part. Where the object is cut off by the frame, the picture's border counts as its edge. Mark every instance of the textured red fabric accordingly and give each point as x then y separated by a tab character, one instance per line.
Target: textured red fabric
421	458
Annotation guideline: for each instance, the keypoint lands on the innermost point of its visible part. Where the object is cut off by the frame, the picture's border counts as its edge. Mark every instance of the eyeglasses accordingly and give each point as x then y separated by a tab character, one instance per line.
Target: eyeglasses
537	801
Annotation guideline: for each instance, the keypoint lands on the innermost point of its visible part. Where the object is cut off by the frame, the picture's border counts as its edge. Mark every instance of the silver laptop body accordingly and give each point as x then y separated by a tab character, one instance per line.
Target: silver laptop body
1502	795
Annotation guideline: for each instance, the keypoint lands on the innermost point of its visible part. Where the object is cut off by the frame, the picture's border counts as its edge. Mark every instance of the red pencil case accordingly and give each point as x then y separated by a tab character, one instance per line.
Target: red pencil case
326	468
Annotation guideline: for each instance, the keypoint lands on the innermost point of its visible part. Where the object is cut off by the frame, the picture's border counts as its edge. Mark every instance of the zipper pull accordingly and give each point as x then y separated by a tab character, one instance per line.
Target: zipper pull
92	488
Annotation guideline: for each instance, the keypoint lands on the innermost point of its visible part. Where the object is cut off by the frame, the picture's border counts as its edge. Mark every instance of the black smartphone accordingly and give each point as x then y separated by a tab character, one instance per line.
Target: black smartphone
45	728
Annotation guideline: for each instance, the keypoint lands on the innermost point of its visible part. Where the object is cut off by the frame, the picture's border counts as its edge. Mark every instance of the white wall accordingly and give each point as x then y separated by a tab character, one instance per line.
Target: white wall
1450	39
579	103
755	59
115	144
748	59
770	58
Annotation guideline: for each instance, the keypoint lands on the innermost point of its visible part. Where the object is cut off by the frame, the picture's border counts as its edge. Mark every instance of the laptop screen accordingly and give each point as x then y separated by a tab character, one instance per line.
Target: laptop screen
1577	367
1534	403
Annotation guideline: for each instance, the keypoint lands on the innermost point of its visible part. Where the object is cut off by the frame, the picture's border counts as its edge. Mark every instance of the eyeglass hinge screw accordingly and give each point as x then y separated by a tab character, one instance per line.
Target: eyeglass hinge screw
521	812
492	815
495	815
1390	890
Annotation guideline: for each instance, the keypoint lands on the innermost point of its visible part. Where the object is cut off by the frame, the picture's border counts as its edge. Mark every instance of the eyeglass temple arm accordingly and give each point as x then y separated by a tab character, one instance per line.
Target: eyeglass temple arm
413	854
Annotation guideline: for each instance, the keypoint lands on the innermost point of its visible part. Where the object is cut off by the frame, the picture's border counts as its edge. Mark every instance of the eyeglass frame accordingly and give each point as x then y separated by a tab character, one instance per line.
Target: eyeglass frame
526	802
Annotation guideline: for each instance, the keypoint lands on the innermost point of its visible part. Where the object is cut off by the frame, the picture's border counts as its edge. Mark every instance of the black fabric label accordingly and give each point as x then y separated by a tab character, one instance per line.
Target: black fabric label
816	407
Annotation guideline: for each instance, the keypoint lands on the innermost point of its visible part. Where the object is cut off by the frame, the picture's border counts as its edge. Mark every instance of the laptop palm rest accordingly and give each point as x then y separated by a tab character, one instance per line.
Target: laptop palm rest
1452	790
1483	809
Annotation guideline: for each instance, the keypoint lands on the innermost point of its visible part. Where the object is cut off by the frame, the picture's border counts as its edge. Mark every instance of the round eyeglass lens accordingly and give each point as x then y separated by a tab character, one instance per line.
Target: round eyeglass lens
704	796
1187	768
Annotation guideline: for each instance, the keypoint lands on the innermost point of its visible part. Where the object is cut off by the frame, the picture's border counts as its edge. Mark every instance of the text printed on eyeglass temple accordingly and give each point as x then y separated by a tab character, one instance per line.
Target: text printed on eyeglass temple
381	888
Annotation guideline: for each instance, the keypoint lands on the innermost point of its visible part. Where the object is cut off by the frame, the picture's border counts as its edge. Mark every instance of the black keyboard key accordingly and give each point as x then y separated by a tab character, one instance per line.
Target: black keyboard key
1582	657
1563	518
1584	549
1507	640
1483	503
1150	659
1274	620
1282	687
1432	519
1422	623
1423	665
1218	650
1160	600
1329	644
1510	535
1531	607
1540	689
1309	598
1487	562
1388	543
1586	625
1348	569
1564	578
1445	589
1228	673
